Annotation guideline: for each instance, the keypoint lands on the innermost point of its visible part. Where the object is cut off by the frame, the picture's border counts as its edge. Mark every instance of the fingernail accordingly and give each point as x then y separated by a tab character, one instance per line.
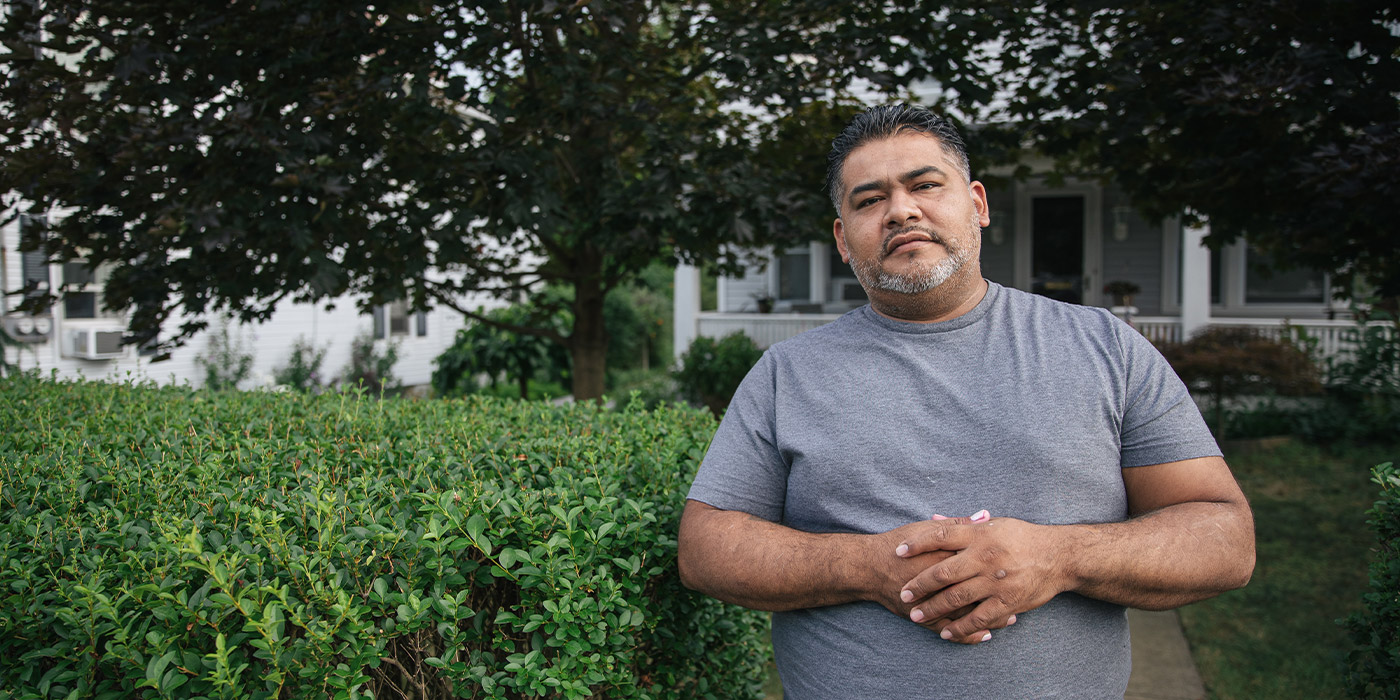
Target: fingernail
940	517
981	516
986	636
916	615
1011	620
946	634
901	550
906	596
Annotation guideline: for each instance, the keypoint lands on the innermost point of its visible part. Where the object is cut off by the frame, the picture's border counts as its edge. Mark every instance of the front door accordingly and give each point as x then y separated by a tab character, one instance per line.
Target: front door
1057	247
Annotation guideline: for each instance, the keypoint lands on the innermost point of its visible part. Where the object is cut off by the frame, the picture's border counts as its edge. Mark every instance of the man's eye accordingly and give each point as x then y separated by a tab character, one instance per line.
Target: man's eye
867	202
926	186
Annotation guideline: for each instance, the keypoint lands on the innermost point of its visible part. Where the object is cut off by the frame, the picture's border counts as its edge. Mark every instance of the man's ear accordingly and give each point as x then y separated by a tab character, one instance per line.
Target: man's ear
840	236
979	199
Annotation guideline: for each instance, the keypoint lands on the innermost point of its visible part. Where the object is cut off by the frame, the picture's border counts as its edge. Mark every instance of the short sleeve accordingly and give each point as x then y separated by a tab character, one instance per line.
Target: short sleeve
1161	422
743	469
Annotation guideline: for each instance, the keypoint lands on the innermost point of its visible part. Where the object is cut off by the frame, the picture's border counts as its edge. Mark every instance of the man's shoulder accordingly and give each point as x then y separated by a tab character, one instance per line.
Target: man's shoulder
1022	305
848	327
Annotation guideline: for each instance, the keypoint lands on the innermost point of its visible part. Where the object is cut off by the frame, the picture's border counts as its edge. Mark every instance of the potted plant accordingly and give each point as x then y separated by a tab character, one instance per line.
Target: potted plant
765	302
1122	291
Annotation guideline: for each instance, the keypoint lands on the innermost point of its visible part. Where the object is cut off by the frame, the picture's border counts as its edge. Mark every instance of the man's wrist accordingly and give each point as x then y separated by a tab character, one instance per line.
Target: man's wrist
1072	546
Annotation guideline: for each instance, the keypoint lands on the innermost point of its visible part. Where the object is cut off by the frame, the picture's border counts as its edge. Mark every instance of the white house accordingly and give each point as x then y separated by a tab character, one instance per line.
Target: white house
1066	241
77	338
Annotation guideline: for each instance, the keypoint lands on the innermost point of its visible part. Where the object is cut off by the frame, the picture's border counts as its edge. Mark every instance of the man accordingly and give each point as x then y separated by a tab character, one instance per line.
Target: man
823	495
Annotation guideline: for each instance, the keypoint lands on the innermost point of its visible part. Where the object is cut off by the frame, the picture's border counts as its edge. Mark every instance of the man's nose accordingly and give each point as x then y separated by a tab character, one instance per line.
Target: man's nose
902	210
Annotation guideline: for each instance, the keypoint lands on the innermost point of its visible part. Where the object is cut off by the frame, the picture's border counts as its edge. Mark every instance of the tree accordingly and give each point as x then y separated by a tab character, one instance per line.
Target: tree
1276	119
231	155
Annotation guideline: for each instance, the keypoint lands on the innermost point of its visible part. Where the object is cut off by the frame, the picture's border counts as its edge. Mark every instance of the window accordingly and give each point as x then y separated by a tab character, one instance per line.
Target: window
1265	285
80	290
844	286
795	275
1241	275
393	319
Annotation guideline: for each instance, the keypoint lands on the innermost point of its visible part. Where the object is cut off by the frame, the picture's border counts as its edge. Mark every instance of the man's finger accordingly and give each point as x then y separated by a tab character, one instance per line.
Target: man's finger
972	623
976	637
953	599
938	532
934	579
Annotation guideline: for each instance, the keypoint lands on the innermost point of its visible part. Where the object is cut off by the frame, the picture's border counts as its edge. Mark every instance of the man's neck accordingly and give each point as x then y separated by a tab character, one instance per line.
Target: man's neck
945	302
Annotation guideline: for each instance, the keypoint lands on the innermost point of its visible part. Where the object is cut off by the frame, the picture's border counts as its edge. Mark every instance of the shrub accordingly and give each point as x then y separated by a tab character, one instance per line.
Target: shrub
1375	663
226	359
369	368
1363	388
711	371
1227	362
303	369
190	544
497	353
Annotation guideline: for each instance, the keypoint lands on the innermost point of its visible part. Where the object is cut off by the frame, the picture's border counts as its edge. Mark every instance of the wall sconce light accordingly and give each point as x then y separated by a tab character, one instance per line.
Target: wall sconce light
1120	222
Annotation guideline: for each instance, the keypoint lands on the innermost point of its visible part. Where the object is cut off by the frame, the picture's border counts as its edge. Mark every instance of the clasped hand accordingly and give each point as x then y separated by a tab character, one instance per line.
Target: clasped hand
998	568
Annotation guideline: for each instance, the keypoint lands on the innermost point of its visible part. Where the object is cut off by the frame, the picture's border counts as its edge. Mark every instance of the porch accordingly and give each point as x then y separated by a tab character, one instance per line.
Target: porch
766	329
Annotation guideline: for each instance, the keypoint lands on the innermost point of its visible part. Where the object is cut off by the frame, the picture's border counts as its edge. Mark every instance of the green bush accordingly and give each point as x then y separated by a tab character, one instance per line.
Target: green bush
368	368
1227	362
226	359
482	350
1375	663
303	369
711	371
651	387
165	542
1362	401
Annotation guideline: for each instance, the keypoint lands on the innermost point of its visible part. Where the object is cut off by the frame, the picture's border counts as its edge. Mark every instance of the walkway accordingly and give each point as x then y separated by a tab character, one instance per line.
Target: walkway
1162	664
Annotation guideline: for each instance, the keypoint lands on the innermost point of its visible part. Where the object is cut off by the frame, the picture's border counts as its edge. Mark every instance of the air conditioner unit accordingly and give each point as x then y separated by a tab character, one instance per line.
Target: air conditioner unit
95	344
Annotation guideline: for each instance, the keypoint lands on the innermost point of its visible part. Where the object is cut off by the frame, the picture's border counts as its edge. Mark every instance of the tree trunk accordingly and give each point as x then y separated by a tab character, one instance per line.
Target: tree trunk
588	345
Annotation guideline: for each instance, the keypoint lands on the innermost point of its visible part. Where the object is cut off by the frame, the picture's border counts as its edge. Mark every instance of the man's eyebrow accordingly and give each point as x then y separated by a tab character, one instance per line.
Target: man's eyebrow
920	172
906	177
864	188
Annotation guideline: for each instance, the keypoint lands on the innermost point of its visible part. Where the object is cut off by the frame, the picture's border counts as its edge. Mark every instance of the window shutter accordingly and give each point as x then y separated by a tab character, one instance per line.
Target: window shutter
422	323
380	322
34	268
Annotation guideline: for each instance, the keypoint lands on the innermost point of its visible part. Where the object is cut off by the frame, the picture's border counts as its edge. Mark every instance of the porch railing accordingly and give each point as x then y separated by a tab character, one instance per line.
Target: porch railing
1333	337
766	329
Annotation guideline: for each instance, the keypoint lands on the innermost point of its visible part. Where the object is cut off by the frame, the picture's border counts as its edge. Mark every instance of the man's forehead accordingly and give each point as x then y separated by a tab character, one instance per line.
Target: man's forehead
912	148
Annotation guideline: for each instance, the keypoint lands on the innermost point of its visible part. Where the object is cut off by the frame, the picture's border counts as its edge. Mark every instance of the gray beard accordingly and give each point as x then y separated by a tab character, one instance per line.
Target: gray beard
922	278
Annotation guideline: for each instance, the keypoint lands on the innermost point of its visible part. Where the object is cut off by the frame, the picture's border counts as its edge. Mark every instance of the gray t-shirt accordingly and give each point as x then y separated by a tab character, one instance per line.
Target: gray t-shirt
1024	406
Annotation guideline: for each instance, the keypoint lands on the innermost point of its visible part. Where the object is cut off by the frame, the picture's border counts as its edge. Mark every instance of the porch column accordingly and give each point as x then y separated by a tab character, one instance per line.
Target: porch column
1195	280
685	308
819	272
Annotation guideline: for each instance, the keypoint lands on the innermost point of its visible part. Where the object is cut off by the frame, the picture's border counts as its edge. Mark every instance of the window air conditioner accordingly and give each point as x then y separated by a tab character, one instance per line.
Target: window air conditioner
94	344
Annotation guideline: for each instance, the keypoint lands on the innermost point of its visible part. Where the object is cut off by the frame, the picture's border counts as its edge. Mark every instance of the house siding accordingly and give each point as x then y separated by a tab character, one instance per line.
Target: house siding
1136	259
270	342
739	294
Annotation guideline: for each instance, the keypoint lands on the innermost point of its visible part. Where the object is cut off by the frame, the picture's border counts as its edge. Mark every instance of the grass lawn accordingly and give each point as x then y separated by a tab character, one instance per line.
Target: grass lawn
1278	636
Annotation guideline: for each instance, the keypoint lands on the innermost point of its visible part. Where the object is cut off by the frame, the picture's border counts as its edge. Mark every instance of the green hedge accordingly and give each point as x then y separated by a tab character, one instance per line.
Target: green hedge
163	542
1375	663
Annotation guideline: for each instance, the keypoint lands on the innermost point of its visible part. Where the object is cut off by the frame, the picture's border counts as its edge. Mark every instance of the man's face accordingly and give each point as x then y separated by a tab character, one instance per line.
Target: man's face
909	220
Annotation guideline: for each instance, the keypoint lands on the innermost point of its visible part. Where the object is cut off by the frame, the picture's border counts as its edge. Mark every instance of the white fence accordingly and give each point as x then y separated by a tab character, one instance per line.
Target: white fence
1332	336
767	329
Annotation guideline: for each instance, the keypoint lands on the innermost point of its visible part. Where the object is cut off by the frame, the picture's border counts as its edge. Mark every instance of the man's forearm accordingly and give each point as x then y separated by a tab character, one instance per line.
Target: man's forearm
742	559
1164	559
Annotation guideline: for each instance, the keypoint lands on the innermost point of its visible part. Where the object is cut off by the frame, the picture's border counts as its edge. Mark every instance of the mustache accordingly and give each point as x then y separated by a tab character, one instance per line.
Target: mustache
885	244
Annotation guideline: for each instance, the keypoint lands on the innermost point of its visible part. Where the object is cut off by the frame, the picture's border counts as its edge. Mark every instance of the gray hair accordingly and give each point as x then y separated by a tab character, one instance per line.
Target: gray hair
886	121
